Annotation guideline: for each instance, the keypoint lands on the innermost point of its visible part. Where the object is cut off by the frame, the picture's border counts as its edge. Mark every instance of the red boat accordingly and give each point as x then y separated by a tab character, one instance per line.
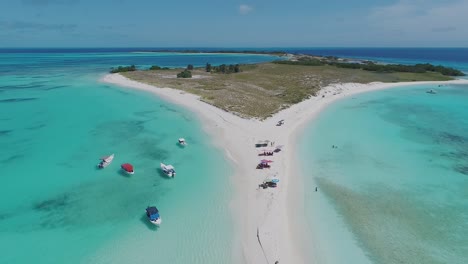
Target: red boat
128	168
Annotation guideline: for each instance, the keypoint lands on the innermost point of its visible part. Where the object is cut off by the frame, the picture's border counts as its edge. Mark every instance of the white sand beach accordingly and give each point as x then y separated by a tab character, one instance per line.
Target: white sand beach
268	229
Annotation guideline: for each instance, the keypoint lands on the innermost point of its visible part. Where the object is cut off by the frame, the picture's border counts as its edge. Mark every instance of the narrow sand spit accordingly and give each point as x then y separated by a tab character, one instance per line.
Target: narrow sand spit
268	229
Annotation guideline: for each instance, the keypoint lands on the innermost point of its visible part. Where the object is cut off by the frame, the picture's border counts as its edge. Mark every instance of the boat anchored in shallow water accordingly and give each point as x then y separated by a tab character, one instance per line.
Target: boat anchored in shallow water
153	215
105	161
168	170
182	142
128	168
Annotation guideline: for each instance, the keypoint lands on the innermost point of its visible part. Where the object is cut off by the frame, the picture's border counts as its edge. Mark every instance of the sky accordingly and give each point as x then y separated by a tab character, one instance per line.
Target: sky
231	23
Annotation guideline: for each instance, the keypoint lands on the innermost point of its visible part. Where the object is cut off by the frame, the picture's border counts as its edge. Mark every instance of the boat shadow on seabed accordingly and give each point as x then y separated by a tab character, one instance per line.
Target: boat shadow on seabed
123	173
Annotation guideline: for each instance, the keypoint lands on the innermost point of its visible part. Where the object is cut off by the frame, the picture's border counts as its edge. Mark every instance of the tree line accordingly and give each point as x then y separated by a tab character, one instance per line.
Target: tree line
123	69
223	68
186	73
371	66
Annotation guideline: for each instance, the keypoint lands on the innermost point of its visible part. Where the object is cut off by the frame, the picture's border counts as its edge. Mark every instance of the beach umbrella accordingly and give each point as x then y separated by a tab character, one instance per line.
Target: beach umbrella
272	178
127	167
266	161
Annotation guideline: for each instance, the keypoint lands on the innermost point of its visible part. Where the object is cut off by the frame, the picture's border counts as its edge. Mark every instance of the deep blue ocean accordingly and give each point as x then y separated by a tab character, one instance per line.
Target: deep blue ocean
452	57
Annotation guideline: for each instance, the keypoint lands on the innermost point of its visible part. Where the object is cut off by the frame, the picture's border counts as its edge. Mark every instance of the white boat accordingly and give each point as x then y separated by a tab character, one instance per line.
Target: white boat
153	215
182	141
105	161
168	170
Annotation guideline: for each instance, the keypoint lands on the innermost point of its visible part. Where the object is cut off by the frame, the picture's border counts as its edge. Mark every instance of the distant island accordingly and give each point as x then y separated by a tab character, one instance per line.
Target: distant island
261	90
274	53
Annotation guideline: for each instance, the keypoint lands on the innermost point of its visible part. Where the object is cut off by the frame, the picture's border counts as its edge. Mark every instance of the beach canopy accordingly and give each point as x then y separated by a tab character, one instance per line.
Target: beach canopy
127	167
152	212
266	161
272	178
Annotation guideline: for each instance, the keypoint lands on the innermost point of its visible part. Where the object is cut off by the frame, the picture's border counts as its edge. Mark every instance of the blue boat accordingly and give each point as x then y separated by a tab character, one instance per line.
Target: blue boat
153	215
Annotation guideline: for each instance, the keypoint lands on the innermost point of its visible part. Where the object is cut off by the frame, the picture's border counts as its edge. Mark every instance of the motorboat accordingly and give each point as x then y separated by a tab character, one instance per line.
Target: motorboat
128	168
431	91
168	170
153	215
182	142
105	161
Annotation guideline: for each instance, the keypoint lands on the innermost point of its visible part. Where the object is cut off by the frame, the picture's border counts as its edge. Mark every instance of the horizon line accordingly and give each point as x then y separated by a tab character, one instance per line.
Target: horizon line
220	47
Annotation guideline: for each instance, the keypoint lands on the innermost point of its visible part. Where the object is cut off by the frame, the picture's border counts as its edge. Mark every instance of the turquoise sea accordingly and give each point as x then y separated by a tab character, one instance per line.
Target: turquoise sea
57	120
395	188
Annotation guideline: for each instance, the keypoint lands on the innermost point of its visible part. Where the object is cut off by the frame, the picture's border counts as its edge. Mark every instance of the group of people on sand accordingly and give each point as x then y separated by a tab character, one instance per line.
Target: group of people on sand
263	165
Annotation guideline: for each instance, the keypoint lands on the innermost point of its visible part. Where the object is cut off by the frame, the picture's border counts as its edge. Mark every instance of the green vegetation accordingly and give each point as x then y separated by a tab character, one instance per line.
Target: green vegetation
263	89
123	69
371	66
156	67
223	68
184	74
208	67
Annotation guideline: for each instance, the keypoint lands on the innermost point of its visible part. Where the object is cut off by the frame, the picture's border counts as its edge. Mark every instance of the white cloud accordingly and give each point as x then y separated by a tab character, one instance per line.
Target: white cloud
422	19
245	9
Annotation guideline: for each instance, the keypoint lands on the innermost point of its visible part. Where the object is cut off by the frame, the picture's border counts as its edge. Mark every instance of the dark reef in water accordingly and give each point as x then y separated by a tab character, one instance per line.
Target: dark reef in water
36	127
463	169
12	158
148	149
5	132
168	108
452	138
56	87
15	100
24	86
56	203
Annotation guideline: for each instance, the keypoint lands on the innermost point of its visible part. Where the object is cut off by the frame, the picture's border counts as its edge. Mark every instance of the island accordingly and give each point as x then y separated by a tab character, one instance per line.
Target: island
259	111
261	90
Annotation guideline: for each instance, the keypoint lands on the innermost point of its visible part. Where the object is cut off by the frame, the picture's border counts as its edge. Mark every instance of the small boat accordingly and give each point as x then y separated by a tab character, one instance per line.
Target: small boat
431	91
153	215
128	168
182	141
168	170
105	161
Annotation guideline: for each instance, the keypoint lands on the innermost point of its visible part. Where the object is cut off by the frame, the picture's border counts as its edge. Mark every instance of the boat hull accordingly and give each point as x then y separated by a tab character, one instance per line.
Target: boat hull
156	222
168	170
105	162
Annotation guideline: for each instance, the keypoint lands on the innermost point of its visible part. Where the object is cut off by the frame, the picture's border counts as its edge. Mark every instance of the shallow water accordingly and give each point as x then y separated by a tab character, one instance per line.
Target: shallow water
57	120
394	189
